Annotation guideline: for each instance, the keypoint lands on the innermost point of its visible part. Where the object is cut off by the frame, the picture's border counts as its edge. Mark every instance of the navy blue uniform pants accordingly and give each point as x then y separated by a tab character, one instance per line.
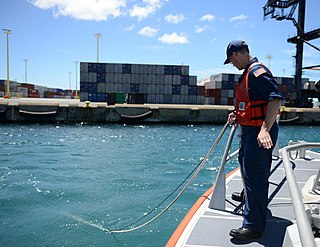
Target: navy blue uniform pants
255	163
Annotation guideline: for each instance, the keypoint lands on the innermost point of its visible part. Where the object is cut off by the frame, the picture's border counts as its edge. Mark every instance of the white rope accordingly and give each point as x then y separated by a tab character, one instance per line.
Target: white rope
180	193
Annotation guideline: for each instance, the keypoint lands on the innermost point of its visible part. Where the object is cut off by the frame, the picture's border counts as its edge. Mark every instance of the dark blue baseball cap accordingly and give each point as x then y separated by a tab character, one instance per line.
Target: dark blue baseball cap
234	46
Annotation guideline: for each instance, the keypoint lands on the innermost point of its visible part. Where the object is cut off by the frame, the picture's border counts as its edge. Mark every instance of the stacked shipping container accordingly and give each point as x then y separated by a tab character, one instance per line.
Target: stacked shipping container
28	90
162	84
219	89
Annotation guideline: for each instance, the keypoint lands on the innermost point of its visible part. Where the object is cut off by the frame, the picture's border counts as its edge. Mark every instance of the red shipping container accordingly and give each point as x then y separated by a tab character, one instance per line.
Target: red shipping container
27	85
200	90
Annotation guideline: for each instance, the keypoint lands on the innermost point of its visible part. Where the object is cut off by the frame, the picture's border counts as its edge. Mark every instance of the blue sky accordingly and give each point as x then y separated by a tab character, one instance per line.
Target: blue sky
52	34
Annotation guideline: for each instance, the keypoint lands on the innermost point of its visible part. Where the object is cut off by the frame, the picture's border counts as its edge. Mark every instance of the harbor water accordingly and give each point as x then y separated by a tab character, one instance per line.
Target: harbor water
68	185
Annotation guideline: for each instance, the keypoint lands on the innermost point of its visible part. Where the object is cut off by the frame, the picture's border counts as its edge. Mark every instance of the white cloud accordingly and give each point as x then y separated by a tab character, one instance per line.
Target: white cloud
129	28
148	31
175	19
207	17
201	29
238	18
174	38
98	10
149	8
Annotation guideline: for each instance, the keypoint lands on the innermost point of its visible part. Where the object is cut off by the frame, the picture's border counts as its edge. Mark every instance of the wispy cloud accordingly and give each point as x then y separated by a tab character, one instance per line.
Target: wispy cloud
84	10
148	31
238	18
129	28
201	29
148	8
175	19
174	38
207	17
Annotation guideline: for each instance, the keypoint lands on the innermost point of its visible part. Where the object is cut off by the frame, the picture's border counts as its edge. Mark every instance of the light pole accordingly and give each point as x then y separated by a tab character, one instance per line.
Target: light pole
25	70
76	62
269	57
7	32
69	81
98	36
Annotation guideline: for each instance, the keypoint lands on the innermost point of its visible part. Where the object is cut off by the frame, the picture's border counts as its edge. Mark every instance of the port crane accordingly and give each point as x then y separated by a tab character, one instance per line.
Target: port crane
284	10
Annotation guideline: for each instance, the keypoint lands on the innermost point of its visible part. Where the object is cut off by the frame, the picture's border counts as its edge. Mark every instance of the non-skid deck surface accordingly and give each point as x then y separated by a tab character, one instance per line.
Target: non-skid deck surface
212	226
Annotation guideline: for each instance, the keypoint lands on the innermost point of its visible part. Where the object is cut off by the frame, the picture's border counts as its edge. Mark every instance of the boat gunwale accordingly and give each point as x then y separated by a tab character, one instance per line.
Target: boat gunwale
188	217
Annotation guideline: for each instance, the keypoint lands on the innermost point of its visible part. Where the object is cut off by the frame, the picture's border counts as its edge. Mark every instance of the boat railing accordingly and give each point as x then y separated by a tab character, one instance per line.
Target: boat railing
303	223
219	193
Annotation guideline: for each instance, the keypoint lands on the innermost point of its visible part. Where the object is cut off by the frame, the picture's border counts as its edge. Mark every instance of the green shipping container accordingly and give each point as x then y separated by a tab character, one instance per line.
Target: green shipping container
120	98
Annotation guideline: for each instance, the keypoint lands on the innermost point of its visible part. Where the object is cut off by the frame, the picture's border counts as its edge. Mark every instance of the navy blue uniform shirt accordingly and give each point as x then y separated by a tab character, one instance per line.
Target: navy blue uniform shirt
262	85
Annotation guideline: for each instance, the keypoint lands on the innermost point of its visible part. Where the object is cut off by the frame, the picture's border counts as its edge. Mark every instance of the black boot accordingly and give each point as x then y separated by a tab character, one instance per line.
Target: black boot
238	196
244	233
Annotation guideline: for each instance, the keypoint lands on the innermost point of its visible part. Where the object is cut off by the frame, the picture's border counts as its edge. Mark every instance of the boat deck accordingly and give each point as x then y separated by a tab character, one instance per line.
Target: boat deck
209	227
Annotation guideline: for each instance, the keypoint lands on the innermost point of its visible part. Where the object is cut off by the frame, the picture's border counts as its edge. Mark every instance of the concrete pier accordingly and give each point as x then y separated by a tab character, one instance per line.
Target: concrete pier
72	110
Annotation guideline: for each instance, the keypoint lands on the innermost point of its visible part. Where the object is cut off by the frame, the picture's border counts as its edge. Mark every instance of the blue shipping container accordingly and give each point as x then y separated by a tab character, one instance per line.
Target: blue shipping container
176	89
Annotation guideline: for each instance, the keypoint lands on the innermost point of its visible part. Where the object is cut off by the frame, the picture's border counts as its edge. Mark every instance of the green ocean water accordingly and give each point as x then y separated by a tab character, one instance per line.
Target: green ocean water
65	185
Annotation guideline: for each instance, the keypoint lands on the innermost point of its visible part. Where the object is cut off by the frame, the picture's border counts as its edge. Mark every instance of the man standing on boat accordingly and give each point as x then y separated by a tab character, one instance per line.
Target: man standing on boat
257	104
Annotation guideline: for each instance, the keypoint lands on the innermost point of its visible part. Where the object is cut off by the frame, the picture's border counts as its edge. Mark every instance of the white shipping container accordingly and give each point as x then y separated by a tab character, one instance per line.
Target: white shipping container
92	77
118	78
126	87
192	100
217	77
200	100
118	87
192	80
224	101
126	78
168	79
118	68
176	79
213	85
109	87
167	89
109	78
167	98
160	89
151	89
101	87
135	69
143	88
209	101
152	69
160	69
184	70
184	90
230	93
40	88
176	99
279	80
143	79
135	78
84	96
224	92
83	67
184	99
143	69
110	68
84	77
159	98
152	98
160	80
151	79
23	90
52	90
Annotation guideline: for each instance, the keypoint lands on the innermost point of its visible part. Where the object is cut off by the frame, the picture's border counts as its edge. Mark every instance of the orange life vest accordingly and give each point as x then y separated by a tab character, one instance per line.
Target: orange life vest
248	112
